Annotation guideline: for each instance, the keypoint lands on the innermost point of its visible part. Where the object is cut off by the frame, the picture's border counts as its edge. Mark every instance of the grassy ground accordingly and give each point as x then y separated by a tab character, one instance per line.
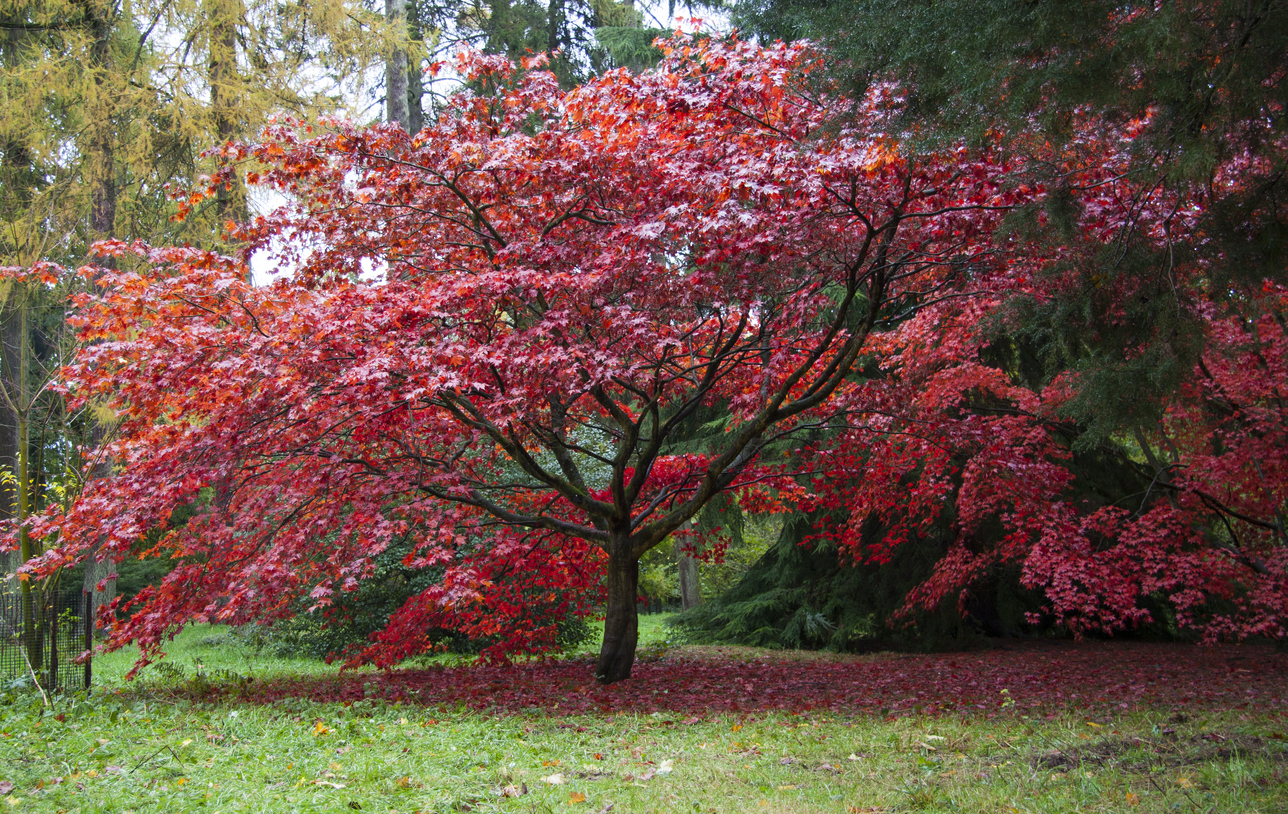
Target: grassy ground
211	650
150	747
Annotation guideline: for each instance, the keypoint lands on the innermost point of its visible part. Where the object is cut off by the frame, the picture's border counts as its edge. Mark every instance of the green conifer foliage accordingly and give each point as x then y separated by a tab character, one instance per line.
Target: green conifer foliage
802	594
1207	77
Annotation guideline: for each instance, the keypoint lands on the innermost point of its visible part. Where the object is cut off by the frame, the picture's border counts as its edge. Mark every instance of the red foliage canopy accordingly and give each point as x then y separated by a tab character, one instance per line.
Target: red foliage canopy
1205	540
496	332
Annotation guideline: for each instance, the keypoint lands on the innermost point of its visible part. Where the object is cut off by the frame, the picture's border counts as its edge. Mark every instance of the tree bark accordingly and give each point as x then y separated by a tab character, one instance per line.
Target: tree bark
690	590
10	325
33	604
396	66
621	622
415	85
555	23
225	91
101	155
19	177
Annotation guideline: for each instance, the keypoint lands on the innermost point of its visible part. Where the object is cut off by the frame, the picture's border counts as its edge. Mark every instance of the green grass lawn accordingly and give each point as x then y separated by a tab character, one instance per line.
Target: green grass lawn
150	747
209	649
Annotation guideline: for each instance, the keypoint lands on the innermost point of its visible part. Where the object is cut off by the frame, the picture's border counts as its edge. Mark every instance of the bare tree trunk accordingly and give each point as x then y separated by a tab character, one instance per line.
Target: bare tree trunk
33	600
10	324
18	179
556	22
101	156
230	204
690	590
415	84
621	622
396	64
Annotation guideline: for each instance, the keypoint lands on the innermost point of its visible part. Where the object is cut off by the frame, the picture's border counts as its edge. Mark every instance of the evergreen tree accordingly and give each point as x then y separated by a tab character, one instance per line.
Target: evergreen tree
568	30
1204	79
1203	84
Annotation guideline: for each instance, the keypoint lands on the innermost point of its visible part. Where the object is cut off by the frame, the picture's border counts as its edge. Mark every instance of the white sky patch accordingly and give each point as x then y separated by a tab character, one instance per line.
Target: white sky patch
263	267
373	270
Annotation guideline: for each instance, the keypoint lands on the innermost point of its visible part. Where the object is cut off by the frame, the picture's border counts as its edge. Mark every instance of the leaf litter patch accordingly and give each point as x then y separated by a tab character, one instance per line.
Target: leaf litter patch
1033	678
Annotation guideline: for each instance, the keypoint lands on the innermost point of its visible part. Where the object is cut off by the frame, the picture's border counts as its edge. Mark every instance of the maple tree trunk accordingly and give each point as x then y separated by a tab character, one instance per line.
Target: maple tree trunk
621	622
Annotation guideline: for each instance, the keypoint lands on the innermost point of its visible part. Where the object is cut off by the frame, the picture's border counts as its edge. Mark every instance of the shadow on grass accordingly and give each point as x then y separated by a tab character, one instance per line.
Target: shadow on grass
1039	678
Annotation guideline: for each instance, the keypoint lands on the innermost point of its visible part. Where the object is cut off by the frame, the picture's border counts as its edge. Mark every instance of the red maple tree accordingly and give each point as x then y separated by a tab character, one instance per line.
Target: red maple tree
498	330
495	333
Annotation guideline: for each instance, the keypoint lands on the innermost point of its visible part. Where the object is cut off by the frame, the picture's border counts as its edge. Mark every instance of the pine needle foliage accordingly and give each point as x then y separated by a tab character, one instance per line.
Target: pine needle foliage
801	595
631	47
1206	79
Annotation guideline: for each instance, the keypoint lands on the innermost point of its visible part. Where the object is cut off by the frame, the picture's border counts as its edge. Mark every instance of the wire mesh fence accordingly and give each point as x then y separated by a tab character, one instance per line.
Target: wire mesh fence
42	634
